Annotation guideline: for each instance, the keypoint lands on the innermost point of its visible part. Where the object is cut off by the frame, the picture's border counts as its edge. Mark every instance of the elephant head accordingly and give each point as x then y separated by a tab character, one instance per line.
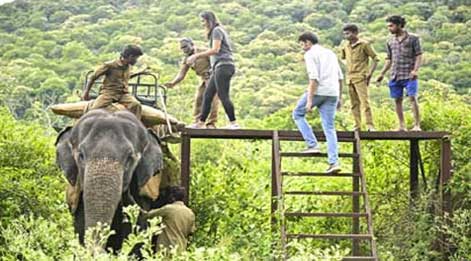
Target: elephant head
104	154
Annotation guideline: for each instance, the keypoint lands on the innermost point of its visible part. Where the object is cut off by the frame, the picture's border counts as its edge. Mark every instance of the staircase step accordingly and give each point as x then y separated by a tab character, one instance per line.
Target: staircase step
302	214
359	258
305	155
318	174
331	236
322	139
325	193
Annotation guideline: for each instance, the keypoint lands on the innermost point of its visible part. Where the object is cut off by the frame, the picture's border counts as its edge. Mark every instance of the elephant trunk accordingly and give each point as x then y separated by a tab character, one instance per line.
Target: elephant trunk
103	181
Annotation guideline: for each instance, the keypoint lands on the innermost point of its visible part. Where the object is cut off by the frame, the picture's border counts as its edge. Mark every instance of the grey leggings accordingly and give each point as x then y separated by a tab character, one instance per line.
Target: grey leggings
219	82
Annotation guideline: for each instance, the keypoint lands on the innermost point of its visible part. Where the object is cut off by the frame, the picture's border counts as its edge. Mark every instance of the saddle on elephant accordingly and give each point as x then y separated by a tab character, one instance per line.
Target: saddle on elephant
150	116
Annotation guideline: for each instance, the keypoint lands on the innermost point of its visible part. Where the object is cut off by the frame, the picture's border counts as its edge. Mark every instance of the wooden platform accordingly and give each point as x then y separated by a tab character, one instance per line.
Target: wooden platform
414	137
296	135
415	163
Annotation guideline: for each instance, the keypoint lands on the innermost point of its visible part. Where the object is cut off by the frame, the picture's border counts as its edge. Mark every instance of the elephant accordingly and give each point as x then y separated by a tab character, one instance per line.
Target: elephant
107	157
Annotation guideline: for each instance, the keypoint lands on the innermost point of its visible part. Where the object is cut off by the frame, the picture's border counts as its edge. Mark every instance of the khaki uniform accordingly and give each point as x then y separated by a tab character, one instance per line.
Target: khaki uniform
115	87
179	223
202	67
357	58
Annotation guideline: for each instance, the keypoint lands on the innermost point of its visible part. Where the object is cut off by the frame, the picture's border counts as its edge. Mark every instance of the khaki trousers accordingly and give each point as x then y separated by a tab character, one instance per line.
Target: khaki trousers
105	99
197	107
359	97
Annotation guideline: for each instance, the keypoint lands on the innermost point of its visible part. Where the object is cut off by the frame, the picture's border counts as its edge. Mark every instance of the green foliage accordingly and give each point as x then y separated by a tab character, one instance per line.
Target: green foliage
457	230
64	40
46	48
27	168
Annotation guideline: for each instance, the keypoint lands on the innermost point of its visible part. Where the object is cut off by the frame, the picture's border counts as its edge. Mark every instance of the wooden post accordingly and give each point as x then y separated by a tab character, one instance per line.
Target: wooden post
446	174
414	170
356	201
445	193
185	164
276	190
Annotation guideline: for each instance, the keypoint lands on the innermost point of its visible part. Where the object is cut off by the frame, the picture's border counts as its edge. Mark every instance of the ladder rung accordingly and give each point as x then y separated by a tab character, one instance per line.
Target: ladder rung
301	214
318	174
325	193
303	154
322	139
359	258
331	236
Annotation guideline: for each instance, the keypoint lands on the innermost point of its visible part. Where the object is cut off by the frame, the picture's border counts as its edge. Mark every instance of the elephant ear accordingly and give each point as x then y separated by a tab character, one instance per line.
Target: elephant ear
151	160
64	155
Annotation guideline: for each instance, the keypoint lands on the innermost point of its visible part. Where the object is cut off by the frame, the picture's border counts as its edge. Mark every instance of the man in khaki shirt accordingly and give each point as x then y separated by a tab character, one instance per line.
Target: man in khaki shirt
202	67
178	219
115	84
357	53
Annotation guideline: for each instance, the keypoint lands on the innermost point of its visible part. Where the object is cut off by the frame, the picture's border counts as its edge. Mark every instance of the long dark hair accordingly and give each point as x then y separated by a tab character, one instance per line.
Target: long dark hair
212	21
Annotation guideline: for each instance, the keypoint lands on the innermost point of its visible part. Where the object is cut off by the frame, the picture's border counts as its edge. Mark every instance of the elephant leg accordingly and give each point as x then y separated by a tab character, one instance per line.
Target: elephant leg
122	230
79	220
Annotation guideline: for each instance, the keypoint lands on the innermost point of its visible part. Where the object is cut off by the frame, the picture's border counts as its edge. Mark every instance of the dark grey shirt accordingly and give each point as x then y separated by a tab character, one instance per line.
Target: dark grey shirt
225	53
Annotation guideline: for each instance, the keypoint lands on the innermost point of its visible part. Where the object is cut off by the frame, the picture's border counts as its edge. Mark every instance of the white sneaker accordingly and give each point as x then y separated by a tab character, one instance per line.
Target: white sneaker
232	126
371	128
196	125
312	150
333	168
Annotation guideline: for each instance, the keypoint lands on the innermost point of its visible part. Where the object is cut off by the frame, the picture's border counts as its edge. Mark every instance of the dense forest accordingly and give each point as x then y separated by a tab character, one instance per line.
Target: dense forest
47	47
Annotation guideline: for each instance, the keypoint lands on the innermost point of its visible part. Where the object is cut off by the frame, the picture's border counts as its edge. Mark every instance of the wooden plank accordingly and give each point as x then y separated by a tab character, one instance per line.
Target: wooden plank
293	134
318	214
331	236
317	174
310	155
359	258
324	193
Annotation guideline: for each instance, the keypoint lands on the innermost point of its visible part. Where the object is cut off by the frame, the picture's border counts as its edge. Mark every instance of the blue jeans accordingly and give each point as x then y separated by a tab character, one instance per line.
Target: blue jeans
327	106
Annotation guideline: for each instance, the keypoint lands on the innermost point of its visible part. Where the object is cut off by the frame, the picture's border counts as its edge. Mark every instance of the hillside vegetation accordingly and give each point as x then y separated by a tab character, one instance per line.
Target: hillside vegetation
46	47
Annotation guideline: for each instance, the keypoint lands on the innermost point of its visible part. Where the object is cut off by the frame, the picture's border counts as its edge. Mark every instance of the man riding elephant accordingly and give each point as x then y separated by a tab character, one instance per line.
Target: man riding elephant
115	85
